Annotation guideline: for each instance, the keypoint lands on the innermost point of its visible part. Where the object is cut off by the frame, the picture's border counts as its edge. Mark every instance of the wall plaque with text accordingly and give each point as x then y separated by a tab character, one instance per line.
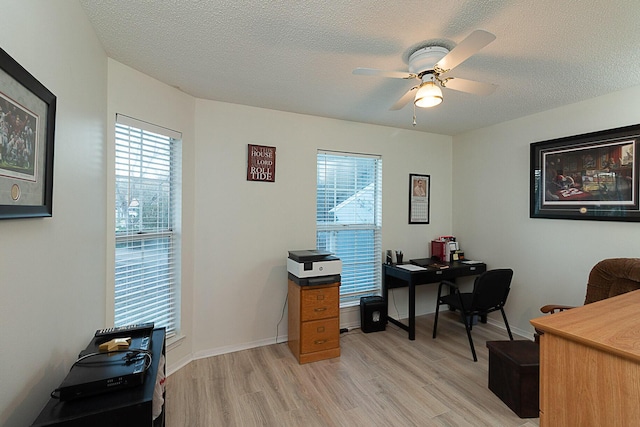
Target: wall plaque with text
261	165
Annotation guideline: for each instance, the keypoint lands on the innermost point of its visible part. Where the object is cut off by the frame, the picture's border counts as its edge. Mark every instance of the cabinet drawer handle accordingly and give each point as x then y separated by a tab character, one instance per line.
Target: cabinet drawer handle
320	309
319	342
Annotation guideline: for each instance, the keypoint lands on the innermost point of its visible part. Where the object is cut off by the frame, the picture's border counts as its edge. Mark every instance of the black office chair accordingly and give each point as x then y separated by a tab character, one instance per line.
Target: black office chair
490	291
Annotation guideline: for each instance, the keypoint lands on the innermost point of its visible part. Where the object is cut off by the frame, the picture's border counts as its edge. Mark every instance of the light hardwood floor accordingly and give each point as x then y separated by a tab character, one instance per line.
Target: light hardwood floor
380	379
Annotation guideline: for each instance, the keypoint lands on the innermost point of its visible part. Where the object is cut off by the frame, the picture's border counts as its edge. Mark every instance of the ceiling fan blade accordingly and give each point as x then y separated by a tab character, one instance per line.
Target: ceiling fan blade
465	49
469	86
382	73
411	93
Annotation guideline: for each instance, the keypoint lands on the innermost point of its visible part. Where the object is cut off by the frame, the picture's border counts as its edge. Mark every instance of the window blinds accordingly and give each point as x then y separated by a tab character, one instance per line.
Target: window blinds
349	219
148	197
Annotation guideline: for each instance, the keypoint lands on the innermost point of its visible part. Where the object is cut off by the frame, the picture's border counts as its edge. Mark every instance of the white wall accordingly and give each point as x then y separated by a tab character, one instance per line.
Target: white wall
551	258
244	228
52	286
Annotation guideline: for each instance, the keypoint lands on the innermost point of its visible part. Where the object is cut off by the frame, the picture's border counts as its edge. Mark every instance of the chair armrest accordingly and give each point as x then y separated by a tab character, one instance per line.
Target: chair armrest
552	308
452	286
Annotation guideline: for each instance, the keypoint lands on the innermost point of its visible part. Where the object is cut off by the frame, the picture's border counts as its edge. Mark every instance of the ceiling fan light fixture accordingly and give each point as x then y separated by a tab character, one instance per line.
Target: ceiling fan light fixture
429	95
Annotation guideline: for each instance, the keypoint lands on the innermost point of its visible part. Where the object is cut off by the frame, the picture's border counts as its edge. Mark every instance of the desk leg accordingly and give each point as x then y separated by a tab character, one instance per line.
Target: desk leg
411	328
412	311
385	292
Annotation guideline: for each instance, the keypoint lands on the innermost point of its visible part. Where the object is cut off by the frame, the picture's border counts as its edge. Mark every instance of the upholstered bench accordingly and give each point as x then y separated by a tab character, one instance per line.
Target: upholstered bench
514	375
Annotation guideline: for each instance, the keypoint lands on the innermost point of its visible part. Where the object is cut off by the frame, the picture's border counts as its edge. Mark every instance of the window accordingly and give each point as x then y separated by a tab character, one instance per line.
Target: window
349	219
147	250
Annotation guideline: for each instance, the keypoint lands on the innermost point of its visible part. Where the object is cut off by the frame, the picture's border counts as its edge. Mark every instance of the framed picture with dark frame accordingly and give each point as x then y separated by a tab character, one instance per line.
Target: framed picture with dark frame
27	122
419	188
592	176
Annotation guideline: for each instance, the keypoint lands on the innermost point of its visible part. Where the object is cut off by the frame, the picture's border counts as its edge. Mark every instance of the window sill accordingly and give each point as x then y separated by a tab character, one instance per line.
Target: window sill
350	304
175	341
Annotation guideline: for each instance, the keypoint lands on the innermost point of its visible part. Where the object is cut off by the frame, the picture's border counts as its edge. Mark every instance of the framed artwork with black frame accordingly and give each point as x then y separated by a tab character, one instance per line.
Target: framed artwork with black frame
419	189
592	176
27	122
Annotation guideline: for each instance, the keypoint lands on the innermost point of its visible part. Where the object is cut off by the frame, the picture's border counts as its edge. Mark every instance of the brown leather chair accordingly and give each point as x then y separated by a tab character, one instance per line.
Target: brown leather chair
608	278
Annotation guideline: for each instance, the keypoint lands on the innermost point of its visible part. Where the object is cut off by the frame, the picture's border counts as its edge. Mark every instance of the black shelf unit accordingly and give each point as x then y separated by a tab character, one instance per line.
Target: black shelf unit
128	407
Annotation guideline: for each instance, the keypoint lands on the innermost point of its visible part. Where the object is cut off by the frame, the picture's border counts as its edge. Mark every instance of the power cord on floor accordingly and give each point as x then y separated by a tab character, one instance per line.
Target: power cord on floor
286	298
393	297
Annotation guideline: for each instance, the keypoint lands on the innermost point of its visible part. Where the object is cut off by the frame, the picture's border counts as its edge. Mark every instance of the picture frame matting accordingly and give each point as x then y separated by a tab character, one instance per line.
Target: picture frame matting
27	129
419	198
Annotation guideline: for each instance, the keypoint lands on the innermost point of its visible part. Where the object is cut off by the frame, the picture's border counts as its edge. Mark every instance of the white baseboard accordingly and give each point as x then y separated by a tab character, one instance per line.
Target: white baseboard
349	319
233	348
515	331
175	367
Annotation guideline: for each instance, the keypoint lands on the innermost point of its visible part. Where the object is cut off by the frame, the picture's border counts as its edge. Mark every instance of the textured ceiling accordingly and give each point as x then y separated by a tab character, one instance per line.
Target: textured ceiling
298	56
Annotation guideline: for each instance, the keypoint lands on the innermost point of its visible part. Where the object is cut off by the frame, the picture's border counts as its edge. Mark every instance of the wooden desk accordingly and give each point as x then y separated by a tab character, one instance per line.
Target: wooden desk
394	276
590	364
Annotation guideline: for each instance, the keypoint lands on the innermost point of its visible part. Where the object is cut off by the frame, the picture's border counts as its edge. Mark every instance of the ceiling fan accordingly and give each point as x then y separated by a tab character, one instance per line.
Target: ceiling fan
431	66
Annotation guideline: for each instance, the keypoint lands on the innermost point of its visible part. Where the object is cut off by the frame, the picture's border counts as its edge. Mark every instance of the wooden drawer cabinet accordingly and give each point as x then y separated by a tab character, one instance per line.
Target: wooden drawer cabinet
314	321
318	302
320	335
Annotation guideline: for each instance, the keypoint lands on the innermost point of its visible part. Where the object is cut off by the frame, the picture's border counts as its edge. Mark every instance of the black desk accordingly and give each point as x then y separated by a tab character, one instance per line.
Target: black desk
396	277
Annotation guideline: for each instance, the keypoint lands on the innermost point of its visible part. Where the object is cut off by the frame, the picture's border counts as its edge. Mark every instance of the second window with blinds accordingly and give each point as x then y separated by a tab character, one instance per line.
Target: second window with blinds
349	219
147	230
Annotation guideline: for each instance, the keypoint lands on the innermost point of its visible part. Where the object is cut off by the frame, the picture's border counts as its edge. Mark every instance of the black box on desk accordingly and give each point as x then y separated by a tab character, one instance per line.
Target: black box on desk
373	314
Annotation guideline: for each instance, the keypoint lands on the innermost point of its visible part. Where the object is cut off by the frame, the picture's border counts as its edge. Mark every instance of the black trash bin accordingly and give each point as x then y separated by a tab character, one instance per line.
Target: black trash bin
373	314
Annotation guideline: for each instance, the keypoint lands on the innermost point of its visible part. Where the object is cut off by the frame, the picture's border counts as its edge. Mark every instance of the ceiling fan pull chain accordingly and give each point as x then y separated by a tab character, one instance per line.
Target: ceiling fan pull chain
414	115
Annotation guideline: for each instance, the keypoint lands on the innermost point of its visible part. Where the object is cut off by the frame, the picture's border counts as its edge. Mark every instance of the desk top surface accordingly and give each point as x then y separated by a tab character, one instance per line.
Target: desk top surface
426	265
612	325
419	275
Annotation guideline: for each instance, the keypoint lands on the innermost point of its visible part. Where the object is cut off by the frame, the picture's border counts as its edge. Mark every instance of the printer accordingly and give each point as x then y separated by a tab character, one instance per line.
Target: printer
313	267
